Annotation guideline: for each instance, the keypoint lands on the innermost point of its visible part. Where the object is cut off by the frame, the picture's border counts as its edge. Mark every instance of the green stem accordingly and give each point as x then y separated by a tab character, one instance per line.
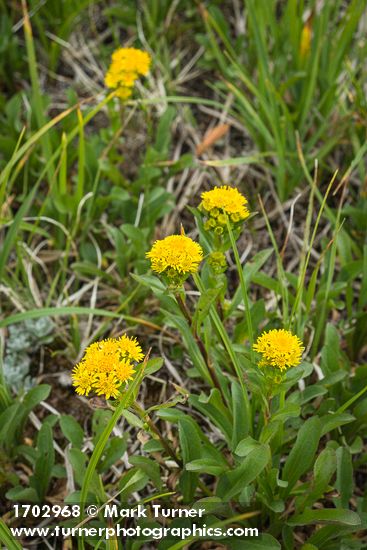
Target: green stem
144	416
245	297
351	401
228	346
103	439
183	307
201	346
7	538
281	427
281	399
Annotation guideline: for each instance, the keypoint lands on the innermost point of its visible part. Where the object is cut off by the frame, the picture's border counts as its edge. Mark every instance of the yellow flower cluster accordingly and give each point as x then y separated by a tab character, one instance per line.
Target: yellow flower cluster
107	365
176	256
221	203
279	348
126	66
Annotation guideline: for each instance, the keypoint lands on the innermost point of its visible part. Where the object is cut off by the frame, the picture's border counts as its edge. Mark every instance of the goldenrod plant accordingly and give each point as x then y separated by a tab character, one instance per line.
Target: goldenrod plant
175	257
106	366
183	275
220	204
126	66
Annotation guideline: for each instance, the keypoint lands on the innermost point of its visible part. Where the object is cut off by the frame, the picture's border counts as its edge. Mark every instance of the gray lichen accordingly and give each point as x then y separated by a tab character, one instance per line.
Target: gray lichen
23	340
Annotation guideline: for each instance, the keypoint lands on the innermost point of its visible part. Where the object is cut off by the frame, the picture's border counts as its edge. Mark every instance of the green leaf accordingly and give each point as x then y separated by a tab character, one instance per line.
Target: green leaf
326	515
23	494
206	466
190	343
170	415
303	452
232	483
8	423
90	270
44	462
149	467
334	378
246	446
204	304
332	532
332	421
150	281
136	236
191	450
13	418
7	538
324	469
290	410
100	419
72	430
311	392
213	407
238	414
114	451
132	419
57	311
153	446
331	351
78	461
153	365
344	477
267	282
163	136
134	480
35	396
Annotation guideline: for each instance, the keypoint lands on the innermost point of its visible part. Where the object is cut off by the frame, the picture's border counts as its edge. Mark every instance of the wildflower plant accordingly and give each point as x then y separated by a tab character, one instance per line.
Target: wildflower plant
253	397
261	427
222	208
175	258
221	204
107	366
222	211
127	65
279	350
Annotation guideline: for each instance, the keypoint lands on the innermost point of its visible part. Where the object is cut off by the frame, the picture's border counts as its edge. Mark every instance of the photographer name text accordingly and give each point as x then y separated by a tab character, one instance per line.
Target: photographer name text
155	510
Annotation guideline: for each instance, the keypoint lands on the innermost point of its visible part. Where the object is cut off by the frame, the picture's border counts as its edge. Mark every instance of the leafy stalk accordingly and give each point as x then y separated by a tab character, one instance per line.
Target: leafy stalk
244	289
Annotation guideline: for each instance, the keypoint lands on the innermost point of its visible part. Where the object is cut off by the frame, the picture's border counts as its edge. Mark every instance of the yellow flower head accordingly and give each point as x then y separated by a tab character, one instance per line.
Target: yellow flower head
124	370
175	256
130	349
279	348
221	202
83	379
107	385
107	365
126	66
